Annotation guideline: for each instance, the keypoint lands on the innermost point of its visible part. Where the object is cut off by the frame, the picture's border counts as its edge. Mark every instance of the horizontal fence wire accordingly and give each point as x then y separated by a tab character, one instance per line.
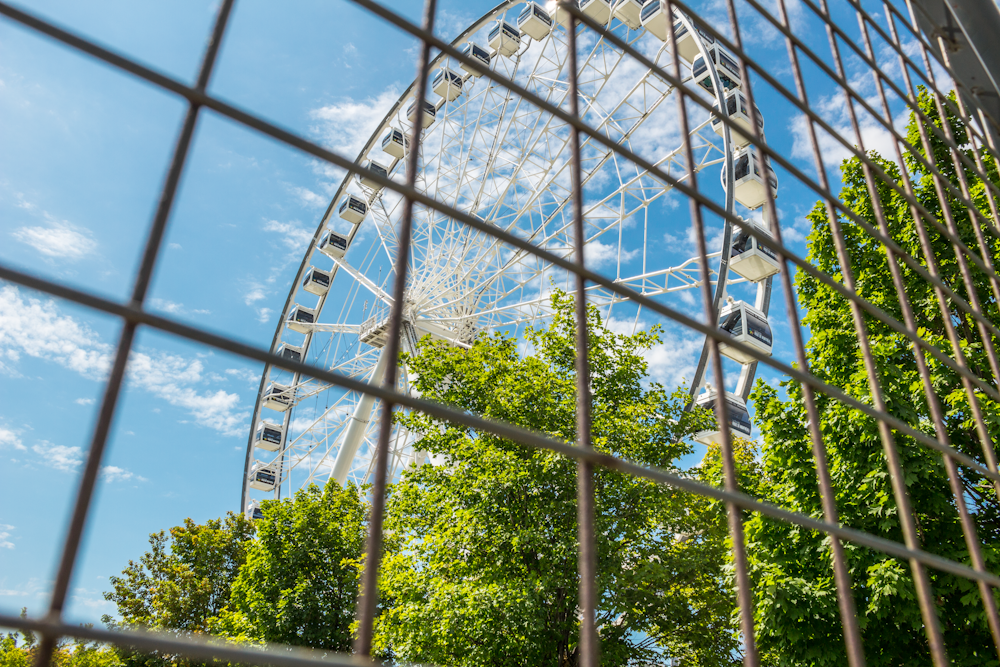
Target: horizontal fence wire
979	140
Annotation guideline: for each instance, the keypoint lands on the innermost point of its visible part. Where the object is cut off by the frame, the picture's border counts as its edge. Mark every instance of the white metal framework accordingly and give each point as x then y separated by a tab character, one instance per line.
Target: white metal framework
499	158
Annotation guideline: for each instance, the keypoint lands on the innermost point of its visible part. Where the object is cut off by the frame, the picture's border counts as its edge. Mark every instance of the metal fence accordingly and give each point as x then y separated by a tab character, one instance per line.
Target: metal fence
942	32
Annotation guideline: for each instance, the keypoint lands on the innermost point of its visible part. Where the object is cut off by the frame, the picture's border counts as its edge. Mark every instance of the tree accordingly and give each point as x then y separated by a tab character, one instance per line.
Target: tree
300	580
76	653
796	605
481	566
185	577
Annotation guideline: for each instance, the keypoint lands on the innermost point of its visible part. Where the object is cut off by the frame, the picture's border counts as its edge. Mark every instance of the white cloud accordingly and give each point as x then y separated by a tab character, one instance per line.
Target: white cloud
309	198
293	234
116	474
37	329
345	126
59	457
175	246
598	255
254	295
166	306
4	534
84	401
264	315
8	438
62	240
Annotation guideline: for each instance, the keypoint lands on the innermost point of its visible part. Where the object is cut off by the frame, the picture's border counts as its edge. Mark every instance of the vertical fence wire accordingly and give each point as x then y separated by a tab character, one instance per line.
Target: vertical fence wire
955	201
368	596
589	653
116	377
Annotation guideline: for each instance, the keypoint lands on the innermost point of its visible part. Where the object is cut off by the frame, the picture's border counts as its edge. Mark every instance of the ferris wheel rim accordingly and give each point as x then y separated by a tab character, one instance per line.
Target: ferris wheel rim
325	220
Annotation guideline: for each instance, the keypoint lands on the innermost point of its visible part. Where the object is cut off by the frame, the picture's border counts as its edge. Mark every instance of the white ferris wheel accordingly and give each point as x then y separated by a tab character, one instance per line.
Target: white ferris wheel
496	156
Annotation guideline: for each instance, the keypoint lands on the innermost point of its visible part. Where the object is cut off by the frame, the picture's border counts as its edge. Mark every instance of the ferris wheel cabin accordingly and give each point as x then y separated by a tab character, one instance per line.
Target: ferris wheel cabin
629	12
736	108
534	21
751	259
268	436
316	281
654	19
687	46
300	317
277	397
253	511
395	143
447	84
290	352
726	66
749	178
746	325
558	14
476	52
333	245
739	417
262	477
367	181
353	209
598	10
429	115
505	39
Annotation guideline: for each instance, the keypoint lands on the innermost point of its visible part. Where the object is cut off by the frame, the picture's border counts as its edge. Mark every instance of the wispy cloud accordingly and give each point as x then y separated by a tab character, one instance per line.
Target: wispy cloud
59	457
84	401
38	329
174	308
345	126
9	438
116	474
4	534
58	241
293	234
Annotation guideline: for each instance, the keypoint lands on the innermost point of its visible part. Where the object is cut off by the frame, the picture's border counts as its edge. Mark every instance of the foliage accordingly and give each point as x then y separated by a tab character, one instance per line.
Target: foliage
184	579
796	604
76	653
300	580
482	562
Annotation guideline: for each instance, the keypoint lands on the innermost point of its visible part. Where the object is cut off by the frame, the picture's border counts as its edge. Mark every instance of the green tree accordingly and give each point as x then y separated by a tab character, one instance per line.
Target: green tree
300	580
76	653
482	558
796	604
185	577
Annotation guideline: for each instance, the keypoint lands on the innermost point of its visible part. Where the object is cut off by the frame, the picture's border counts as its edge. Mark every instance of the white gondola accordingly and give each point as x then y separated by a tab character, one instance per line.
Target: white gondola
268	436
687	46
316	281
505	39
447	84
746	325
378	169
290	352
395	143
476	52
738	111
726	66
598	10
749	177
353	209
534	21
739	417
429	115
751	259
629	12
253	511
333	244
558	14
262	477
300	317
277	397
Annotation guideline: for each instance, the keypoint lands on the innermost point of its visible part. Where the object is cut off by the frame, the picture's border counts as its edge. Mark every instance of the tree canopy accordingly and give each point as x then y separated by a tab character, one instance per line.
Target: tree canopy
796	605
482	567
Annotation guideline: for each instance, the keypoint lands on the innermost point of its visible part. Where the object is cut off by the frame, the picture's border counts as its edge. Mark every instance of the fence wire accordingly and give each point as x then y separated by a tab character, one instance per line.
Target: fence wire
910	58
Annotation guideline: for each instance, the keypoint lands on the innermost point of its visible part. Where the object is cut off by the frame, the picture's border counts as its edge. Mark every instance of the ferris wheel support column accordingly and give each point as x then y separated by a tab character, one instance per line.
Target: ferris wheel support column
359	424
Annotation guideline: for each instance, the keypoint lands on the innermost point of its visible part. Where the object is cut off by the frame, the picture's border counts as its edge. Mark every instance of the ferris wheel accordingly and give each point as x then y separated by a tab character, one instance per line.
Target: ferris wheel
495	156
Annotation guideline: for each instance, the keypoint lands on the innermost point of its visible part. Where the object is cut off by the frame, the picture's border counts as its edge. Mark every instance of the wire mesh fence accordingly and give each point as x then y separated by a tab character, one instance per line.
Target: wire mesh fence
931	217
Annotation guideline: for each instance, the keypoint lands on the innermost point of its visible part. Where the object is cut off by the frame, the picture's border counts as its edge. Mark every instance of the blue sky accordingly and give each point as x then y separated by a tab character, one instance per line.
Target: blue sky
84	152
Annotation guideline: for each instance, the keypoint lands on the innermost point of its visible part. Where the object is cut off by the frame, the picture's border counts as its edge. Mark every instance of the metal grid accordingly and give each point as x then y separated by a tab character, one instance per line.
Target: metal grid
933	53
